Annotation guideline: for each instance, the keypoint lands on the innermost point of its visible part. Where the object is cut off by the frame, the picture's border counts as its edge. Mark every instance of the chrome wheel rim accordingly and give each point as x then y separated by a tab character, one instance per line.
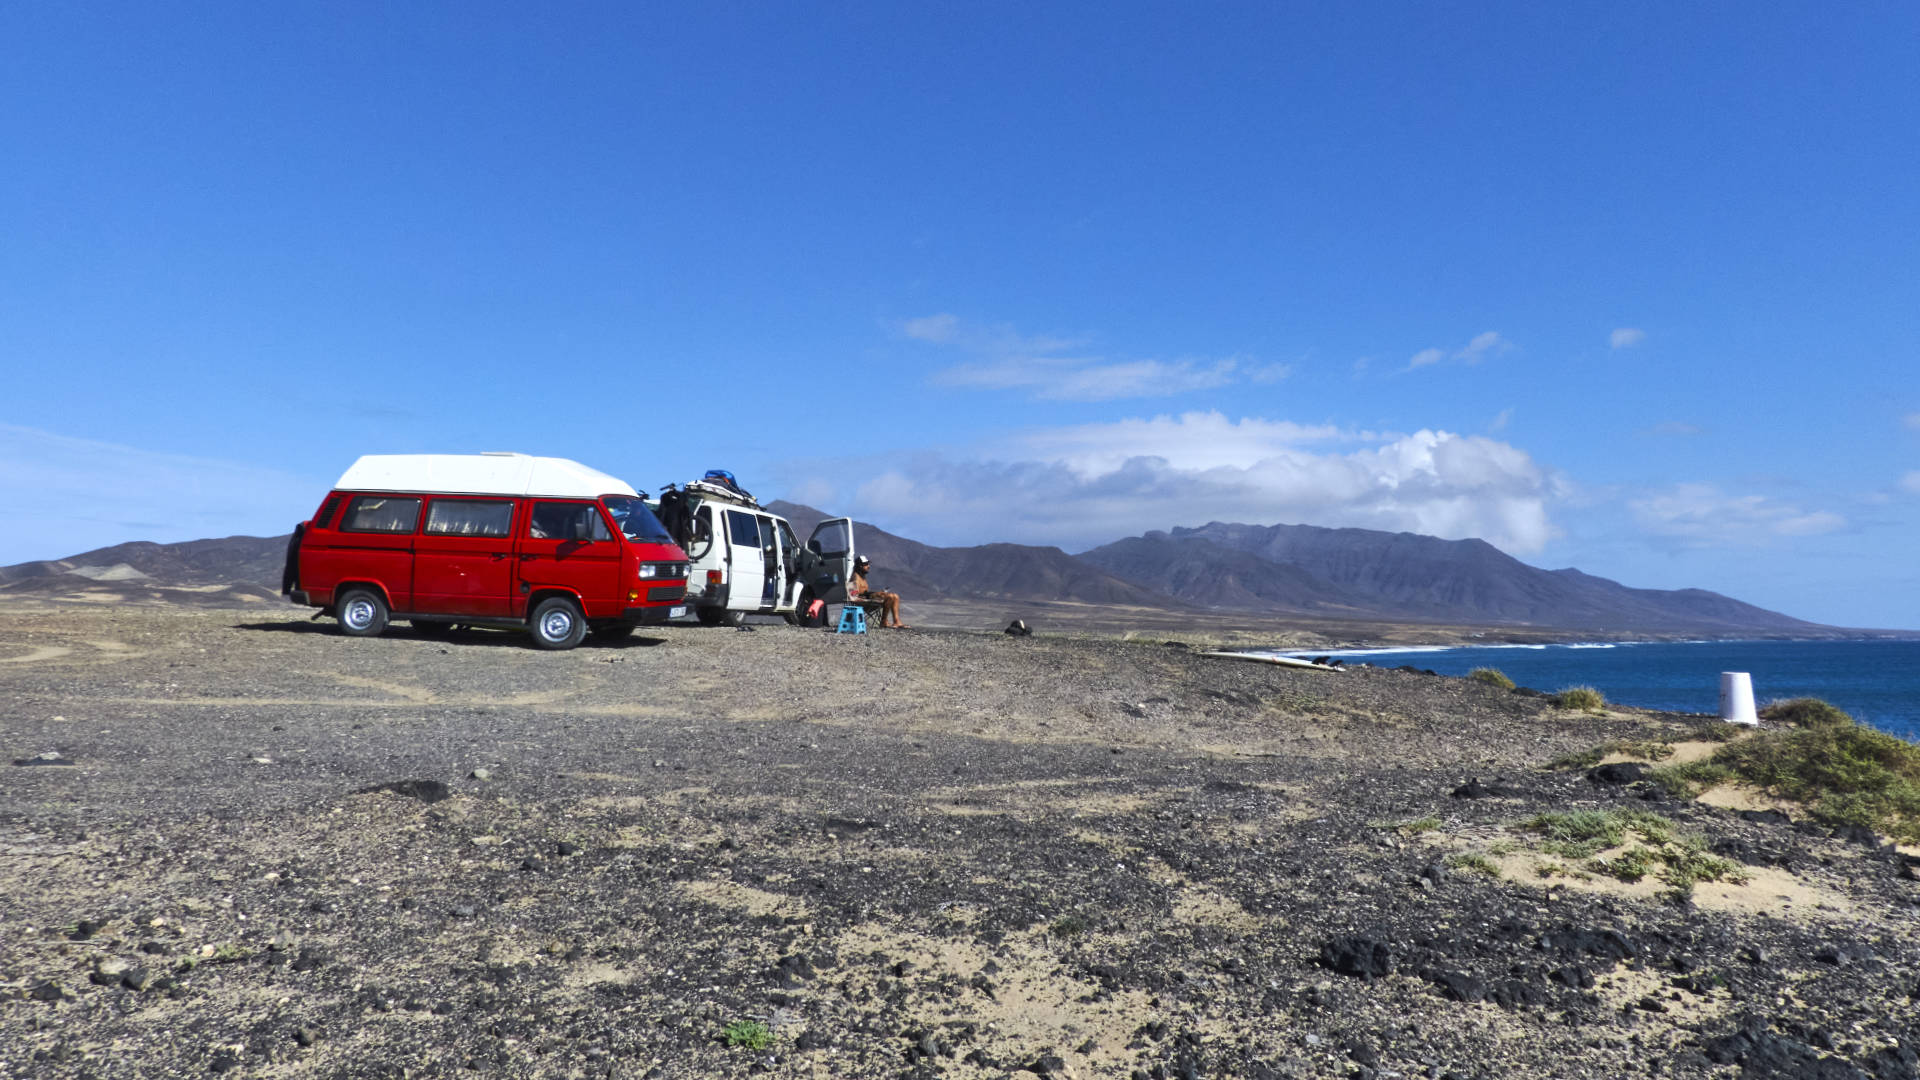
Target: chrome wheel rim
359	614
556	625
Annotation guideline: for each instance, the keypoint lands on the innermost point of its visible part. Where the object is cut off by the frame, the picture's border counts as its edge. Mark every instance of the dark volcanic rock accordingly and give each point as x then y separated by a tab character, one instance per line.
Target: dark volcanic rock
1764	1055
1605	944
1474	789
1619	772
427	791
1458	985
1365	957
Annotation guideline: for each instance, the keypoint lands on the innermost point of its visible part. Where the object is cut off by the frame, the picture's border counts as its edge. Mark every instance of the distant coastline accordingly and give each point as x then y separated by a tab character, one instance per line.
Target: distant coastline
1877	680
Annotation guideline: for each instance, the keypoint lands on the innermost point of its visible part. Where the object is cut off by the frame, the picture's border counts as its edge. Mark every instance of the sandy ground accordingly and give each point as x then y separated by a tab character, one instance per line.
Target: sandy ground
905	854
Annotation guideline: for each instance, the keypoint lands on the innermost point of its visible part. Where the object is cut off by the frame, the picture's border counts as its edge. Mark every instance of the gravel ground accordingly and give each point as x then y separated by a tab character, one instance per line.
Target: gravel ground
281	852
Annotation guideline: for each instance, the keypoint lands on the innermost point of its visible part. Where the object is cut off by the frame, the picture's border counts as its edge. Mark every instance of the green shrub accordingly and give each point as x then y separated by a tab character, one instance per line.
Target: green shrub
1475	861
1579	759
1688	779
1583	833
1805	712
1584	698
1068	926
1491	676
1630	865
1579	834
751	1034
1844	773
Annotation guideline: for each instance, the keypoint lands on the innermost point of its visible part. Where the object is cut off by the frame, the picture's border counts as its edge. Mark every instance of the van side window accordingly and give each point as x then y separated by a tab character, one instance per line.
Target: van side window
381	514
567	521
744	529
326	512
469	517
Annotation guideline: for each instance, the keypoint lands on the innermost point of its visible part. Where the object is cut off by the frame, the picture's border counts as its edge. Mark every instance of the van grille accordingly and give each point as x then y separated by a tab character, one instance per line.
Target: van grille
667	592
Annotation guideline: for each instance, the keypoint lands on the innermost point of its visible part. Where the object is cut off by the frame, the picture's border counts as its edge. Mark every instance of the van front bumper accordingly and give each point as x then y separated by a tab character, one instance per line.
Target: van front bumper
650	616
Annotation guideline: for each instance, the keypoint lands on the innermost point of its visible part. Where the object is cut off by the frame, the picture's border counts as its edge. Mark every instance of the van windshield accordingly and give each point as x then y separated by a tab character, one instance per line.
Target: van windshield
635	520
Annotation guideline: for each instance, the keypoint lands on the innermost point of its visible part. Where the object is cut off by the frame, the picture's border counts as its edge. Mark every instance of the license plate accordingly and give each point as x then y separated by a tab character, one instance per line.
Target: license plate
675	613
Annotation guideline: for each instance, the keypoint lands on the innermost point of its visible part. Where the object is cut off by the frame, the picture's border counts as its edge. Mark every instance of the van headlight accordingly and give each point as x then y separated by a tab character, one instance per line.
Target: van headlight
663	570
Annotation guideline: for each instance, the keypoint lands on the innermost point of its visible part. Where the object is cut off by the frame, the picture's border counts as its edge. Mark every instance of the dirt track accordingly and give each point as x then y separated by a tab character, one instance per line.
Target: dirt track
905	854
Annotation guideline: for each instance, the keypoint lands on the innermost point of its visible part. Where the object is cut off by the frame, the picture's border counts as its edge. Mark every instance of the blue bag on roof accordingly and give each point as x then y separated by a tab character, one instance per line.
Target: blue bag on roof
726	480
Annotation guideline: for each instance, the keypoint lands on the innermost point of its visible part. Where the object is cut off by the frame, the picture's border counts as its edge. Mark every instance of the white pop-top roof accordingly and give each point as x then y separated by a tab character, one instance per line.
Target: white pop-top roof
480	474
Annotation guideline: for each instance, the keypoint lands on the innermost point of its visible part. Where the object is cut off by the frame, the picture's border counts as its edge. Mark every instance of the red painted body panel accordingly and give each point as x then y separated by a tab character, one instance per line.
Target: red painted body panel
460	573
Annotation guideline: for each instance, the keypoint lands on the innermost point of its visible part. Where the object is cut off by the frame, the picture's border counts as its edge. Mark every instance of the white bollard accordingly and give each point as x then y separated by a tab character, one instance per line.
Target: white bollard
1736	698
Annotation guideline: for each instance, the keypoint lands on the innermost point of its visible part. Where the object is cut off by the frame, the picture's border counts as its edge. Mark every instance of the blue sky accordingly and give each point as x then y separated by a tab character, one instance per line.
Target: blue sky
1626	287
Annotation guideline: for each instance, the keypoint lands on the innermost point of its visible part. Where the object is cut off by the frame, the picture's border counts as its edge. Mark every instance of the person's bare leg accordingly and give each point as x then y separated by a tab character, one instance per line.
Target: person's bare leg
893	607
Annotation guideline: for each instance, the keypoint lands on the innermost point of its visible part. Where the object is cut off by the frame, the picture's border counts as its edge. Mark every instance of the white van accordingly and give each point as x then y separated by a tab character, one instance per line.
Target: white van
745	560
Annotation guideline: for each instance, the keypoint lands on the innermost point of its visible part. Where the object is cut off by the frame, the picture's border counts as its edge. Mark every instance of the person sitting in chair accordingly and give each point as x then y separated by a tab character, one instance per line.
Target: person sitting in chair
883	604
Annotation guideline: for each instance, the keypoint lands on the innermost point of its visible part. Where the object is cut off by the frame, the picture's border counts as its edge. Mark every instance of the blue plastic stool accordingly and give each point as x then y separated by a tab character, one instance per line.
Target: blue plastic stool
853	619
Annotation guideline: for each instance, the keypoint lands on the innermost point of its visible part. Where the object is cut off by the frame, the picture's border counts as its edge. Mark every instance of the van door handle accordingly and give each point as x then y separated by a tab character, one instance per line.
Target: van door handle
526	558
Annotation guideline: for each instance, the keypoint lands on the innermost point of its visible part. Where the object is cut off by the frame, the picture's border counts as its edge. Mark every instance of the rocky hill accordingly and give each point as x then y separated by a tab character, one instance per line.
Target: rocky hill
986	570
1407	576
194	572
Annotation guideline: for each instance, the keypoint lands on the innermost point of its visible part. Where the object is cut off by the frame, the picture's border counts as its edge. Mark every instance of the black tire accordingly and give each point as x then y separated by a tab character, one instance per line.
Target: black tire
431	628
361	611
556	623
616	632
800	606
713	616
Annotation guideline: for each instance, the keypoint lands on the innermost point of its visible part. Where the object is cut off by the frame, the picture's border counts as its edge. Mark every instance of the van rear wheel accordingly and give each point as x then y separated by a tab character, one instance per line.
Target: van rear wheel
799	617
557	623
716	616
362	613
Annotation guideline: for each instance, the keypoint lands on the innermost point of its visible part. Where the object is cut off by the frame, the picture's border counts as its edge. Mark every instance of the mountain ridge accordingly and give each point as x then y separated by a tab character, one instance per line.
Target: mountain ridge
1309	571
1430	579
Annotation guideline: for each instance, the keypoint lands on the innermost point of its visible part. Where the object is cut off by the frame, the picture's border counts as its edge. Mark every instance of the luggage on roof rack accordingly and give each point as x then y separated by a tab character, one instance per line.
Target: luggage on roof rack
724	479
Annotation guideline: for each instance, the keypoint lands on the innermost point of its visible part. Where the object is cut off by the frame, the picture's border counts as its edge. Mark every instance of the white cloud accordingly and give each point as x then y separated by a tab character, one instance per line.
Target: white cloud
1700	514
939	328
1485	344
811	491
1910	483
1092	484
1047	368
1626	337
1501	421
1482	346
1067	379
66	495
1194	440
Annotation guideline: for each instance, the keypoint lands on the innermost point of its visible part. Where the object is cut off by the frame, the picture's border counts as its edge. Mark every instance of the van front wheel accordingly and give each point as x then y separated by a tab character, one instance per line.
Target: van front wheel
362	613
557	623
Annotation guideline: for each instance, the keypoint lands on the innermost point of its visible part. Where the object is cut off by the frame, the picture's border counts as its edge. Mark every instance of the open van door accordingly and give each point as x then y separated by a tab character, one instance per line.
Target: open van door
832	544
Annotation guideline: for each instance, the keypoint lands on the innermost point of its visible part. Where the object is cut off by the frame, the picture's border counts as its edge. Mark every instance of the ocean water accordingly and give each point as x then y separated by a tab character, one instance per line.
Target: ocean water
1878	682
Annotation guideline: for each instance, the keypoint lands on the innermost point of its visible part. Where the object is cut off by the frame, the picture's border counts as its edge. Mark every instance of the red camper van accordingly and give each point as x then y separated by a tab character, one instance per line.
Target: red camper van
503	540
